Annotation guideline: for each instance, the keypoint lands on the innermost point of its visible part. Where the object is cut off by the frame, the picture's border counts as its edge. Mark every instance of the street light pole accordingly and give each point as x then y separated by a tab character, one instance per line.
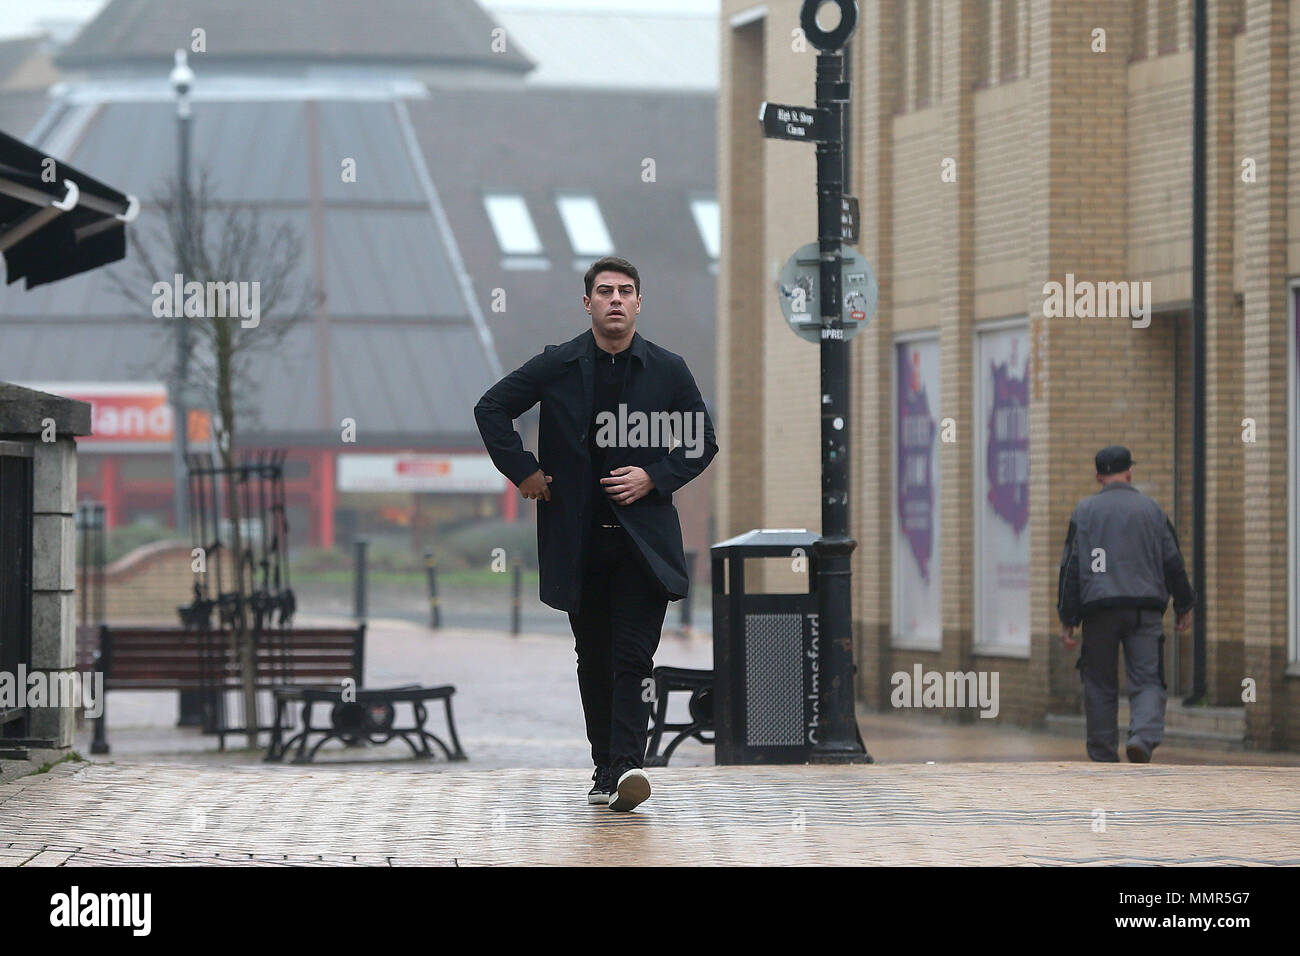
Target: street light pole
182	78
190	703
839	741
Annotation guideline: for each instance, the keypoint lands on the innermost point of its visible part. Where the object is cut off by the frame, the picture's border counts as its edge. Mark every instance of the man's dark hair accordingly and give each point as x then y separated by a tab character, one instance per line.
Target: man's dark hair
611	264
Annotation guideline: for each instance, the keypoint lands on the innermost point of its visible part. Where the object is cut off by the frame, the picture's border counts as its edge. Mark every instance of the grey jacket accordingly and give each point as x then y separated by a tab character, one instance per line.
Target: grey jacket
1121	551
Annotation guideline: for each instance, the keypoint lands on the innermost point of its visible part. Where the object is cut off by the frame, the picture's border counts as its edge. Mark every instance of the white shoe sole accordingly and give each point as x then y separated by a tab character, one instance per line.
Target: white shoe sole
598	799
633	790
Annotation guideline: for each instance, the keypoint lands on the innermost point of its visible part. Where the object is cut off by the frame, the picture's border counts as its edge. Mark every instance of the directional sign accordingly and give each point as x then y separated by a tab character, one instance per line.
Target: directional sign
797	290
807	123
849	221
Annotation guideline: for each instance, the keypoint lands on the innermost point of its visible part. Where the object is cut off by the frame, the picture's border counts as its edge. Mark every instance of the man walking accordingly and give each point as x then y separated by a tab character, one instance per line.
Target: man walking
1120	565
622	427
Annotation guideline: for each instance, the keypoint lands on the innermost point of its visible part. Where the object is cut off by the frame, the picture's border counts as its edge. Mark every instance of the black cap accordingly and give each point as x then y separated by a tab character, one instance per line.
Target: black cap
1113	459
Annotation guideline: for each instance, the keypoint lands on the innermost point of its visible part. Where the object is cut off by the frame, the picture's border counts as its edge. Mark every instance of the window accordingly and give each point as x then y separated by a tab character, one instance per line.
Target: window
983	42
922	78
512	224
707	221
1293	529
1007	44
900	50
585	226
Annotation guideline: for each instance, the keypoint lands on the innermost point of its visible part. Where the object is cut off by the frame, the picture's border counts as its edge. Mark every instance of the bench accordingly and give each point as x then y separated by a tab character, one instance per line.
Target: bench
170	658
699	683
369	716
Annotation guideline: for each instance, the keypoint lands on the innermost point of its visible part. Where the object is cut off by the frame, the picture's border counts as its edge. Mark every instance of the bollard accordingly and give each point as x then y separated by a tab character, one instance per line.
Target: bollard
359	580
431	570
516	589
690	582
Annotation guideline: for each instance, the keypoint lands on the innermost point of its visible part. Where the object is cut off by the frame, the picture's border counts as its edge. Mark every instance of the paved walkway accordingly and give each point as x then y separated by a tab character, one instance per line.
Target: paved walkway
1012	814
992	795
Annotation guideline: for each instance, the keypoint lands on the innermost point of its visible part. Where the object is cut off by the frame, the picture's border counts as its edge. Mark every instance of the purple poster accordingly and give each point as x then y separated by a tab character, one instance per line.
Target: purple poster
1007	456
916	430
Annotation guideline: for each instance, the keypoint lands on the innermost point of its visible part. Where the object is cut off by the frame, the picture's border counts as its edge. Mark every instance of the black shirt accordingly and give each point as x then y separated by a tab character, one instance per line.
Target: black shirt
611	369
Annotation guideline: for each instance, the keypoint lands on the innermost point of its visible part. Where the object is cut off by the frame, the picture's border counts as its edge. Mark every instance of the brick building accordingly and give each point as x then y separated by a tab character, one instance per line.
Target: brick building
998	147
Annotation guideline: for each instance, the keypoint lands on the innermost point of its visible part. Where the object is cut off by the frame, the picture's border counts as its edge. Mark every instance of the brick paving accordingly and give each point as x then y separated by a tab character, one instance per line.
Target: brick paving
993	813
165	796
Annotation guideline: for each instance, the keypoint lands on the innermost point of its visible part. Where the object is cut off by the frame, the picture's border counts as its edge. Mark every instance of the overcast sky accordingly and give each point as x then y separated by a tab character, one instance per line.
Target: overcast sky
23	17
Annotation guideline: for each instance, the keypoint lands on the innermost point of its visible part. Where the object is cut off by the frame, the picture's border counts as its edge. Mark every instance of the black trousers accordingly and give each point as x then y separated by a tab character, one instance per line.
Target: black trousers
616	632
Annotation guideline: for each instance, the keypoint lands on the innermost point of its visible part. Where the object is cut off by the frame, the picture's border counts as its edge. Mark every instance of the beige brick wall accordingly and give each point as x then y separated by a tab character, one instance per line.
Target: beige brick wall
1001	203
791	480
1079	166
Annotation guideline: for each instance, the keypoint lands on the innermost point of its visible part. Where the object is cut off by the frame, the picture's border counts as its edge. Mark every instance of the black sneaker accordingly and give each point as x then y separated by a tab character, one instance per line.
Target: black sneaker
631	790
602	786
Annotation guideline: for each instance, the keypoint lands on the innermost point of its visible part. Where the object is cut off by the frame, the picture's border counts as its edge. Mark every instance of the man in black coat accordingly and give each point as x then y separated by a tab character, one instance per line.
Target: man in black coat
622	427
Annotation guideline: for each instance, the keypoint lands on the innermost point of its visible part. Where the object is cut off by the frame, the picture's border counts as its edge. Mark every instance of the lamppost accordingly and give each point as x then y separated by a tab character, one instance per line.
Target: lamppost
182	78
823	125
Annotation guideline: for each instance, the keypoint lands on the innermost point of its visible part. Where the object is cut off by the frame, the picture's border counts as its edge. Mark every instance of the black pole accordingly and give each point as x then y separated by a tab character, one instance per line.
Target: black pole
431	570
690	581
1198	353
83	529
359	579
516	591
839	741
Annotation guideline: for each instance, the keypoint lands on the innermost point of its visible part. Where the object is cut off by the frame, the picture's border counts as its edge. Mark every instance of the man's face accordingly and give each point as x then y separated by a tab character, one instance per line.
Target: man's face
613	303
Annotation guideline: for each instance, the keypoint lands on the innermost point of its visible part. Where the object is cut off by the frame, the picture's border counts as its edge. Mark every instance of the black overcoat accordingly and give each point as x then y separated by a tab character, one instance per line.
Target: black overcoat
561	378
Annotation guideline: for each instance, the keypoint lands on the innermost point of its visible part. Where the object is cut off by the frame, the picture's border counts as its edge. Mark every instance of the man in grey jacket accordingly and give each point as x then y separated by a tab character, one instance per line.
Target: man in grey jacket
1120	565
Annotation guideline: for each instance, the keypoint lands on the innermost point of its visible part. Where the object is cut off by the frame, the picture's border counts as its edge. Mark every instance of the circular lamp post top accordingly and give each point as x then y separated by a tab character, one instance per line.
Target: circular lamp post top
834	39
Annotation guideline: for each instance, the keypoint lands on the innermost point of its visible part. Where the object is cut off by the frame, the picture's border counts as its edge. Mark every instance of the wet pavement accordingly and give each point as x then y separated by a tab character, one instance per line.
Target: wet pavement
992	795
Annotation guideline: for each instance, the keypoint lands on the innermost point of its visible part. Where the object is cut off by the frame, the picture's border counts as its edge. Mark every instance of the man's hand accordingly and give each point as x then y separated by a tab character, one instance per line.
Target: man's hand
1183	621
628	484
1068	638
536	485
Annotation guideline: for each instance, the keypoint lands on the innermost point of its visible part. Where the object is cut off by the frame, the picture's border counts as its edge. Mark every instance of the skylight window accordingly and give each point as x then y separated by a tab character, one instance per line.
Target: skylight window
708	222
585	225
512	224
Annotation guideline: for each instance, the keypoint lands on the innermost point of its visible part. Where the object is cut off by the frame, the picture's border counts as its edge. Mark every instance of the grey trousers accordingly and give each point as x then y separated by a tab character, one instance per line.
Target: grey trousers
1142	634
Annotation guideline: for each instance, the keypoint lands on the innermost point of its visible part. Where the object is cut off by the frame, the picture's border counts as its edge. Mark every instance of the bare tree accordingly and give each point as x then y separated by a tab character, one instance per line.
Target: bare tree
219	242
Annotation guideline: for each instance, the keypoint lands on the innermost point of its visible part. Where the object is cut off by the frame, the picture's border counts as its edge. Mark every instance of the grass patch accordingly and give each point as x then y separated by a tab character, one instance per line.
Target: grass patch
70	757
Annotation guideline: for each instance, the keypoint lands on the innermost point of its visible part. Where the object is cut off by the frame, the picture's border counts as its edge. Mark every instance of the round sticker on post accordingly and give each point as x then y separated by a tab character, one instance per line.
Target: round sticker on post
798	285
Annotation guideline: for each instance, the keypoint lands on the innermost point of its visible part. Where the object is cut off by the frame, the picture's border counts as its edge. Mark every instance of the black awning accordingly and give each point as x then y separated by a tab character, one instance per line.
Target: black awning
55	221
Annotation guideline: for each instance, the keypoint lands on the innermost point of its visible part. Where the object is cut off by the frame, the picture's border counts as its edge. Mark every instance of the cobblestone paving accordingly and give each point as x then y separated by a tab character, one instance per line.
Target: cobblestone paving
1006	814
999	795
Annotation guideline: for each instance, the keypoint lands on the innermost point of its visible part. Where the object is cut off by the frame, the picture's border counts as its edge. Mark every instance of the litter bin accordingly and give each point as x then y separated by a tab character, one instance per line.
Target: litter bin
765	653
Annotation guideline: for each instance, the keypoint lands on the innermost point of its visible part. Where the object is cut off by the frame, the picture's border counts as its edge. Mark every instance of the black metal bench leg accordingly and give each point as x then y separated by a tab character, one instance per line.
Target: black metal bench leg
458	753
99	743
652	758
301	755
275	751
692	731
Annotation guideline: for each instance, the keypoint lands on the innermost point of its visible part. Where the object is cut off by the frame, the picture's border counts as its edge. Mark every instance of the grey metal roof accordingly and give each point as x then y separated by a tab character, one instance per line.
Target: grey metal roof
659	50
539	141
21	110
390	31
400	349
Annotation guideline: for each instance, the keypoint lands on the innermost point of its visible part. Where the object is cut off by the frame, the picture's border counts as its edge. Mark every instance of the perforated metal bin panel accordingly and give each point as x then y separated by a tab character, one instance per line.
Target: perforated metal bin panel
774	680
